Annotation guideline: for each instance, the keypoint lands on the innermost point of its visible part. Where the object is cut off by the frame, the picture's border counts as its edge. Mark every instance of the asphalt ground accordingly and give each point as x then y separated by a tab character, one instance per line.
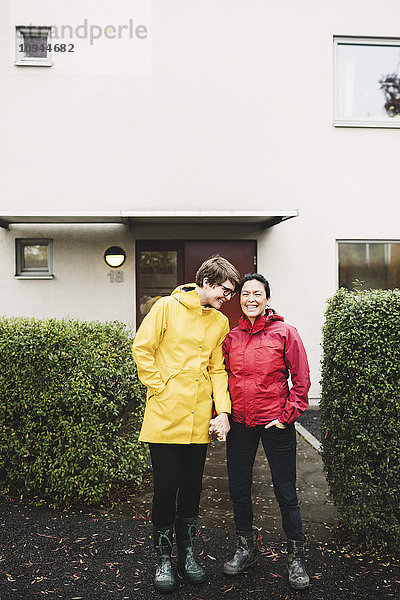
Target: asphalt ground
311	420
81	554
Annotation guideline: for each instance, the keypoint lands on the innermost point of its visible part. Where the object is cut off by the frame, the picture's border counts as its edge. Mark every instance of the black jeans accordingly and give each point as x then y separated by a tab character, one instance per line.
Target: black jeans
178	475
280	450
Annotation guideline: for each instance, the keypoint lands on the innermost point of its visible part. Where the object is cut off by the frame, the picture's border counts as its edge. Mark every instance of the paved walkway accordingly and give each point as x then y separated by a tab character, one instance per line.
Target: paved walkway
318	511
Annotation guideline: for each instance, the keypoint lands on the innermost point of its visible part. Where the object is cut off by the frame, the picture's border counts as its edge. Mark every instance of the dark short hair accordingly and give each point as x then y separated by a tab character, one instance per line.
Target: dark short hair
217	270
258	277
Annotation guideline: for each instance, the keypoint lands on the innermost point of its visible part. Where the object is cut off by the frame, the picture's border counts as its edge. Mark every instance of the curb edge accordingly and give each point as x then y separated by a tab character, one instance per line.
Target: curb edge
308	437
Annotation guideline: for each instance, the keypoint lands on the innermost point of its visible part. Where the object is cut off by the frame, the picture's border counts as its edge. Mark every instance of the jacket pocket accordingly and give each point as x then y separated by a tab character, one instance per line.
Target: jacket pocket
269	358
159	395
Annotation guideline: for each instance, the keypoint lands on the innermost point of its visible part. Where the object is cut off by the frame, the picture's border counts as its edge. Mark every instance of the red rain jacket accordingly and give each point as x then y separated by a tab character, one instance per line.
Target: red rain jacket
258	361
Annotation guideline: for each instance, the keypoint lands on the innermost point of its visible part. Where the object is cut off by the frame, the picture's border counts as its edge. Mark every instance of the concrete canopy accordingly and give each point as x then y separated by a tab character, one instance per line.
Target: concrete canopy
262	219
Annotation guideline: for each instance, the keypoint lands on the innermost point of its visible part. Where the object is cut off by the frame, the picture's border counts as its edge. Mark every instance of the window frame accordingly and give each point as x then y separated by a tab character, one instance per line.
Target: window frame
389	122
358	241
157	246
31	61
33	273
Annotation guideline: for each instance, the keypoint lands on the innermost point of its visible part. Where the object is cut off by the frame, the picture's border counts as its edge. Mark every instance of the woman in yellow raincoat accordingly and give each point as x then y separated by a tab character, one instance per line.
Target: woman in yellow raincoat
178	352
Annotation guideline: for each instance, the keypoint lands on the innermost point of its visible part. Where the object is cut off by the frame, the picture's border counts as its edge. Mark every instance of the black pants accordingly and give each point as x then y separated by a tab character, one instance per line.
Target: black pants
178	474
280	449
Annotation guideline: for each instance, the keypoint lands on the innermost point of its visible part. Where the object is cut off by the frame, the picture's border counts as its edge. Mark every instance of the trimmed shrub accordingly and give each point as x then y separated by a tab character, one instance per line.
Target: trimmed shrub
71	406
360	411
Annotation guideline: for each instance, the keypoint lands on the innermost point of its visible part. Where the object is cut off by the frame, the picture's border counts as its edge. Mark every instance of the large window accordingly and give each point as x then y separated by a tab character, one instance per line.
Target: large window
34	258
33	46
367	82
369	265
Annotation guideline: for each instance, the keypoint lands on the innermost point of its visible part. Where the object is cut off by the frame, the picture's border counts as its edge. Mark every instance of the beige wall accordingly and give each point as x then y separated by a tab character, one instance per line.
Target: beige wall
81	287
224	106
235	108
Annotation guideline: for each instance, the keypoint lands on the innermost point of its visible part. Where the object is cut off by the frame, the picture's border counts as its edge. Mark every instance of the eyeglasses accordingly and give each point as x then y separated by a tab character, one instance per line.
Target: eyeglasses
227	292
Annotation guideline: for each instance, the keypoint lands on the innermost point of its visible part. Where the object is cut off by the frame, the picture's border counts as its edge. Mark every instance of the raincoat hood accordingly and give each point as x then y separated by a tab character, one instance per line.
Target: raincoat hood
188	296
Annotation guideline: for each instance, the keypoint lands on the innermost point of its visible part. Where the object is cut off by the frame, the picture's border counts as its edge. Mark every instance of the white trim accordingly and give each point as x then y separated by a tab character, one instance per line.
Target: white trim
33	277
366	124
123	216
336	264
25	63
387	123
367	241
154	213
21	59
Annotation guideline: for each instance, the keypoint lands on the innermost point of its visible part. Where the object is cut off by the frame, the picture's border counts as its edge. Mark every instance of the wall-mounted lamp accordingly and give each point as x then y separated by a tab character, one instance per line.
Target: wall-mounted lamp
114	256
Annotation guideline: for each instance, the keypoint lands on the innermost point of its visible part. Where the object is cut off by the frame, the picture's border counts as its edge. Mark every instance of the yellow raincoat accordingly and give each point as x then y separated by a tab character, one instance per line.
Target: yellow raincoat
178	352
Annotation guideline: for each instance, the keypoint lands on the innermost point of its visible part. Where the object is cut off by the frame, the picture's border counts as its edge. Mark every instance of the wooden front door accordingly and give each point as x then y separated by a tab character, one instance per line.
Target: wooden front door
241	253
161	265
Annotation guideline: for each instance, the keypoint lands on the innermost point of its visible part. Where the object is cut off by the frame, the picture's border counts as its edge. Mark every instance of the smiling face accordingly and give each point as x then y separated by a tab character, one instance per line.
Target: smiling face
253	299
215	295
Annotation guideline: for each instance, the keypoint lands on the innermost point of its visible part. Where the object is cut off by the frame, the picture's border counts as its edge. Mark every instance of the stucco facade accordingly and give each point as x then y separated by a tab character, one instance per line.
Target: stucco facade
221	106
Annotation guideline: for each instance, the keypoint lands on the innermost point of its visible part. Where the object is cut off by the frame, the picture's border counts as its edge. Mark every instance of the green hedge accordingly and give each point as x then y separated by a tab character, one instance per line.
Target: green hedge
70	409
360	412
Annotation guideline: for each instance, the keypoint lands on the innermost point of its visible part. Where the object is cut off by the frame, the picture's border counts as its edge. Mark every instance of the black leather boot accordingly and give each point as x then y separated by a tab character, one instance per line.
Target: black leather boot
164	579
186	530
246	553
298	577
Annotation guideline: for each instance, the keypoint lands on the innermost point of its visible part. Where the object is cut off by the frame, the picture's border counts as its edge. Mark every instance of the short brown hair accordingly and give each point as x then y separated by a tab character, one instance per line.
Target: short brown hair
217	270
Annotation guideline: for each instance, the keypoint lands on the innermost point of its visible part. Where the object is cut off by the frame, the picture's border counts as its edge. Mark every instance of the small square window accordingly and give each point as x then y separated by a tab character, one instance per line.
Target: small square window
34	258
367	82
32	46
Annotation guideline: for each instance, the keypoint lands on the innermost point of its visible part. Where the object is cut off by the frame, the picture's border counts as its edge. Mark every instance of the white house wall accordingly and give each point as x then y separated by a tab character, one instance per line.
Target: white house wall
236	108
225	105
82	287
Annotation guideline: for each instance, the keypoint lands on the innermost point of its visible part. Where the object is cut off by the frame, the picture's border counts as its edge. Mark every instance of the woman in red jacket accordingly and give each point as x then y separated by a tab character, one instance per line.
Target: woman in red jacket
259	355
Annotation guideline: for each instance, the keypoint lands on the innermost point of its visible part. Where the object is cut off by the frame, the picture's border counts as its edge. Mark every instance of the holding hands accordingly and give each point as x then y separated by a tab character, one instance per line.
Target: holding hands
220	426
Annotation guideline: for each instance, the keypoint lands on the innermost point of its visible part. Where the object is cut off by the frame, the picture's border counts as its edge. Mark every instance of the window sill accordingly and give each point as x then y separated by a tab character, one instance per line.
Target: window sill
368	124
33	276
32	64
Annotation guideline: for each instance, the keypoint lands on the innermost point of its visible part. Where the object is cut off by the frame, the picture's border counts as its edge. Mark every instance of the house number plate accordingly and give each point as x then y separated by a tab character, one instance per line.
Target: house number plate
116	276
